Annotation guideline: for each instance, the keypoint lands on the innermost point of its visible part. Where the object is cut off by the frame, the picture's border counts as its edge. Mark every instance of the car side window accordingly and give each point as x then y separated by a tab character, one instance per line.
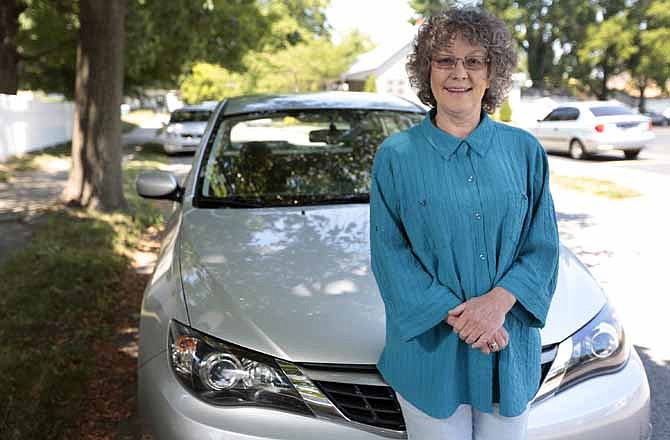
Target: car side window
570	114
554	115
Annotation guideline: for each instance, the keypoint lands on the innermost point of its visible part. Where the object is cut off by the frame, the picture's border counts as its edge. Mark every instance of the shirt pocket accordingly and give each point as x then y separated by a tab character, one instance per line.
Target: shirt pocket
430	221
515	216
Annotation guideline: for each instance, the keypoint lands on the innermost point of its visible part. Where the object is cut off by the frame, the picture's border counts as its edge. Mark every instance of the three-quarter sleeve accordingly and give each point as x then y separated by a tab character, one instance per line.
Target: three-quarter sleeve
415	301
533	275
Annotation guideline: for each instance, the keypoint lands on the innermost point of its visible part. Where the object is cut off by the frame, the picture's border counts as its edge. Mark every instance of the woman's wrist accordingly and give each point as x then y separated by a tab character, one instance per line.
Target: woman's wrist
505	296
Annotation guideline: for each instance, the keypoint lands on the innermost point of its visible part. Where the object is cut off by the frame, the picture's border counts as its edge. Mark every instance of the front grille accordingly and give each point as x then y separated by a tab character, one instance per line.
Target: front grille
376	405
368	404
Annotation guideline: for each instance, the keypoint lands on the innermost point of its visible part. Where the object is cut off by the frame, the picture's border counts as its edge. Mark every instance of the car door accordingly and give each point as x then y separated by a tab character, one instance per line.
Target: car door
569	127
547	129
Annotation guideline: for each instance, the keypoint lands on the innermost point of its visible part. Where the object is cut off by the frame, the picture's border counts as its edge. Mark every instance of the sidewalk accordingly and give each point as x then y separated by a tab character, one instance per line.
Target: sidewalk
22	200
624	243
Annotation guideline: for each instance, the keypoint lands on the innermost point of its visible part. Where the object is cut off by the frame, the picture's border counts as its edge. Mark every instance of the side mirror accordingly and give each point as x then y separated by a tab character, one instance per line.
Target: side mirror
158	185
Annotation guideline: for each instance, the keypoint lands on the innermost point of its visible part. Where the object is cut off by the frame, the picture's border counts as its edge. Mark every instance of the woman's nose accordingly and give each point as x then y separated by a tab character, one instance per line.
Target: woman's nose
459	71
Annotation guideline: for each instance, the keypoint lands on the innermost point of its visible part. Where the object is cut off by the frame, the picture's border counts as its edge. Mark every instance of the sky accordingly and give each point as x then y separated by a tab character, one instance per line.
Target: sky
380	19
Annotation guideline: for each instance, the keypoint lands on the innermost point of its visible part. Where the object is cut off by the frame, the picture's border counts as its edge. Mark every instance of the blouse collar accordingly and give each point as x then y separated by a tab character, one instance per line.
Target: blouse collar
446	144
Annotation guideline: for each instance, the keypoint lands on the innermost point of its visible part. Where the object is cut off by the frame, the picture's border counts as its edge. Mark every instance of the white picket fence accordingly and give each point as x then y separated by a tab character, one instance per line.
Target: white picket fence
28	124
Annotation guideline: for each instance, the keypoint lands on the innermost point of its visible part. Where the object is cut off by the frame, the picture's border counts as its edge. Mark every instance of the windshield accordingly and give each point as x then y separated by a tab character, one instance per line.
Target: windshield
611	110
296	157
190	116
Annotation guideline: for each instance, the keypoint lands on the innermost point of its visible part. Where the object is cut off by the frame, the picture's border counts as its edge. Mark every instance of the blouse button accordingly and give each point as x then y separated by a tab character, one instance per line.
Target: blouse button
478	216
482	257
471	178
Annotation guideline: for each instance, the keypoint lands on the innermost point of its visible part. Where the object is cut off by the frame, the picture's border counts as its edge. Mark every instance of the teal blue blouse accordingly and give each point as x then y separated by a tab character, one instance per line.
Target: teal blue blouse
450	219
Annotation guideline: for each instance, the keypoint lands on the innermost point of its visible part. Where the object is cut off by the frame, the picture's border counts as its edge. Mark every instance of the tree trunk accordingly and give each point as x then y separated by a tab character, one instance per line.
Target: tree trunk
9	57
95	179
642	86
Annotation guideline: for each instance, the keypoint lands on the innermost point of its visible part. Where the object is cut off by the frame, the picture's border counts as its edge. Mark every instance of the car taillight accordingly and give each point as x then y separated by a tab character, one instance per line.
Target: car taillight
600	128
650	125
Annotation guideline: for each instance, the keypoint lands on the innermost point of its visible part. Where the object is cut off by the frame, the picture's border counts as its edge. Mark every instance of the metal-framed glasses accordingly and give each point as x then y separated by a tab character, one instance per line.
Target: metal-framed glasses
470	62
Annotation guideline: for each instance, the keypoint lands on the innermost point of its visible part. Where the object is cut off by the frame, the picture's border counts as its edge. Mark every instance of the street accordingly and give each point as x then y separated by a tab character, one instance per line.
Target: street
623	243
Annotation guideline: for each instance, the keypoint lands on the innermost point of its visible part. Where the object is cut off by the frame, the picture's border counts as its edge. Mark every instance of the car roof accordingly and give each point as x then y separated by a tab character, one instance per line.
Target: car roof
588	104
203	106
319	100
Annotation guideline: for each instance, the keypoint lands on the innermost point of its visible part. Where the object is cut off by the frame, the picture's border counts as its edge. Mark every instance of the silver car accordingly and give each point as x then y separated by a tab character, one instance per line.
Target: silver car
263	320
182	134
587	128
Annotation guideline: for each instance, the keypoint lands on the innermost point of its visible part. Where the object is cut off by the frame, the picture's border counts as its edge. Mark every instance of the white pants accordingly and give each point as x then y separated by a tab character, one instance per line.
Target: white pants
466	423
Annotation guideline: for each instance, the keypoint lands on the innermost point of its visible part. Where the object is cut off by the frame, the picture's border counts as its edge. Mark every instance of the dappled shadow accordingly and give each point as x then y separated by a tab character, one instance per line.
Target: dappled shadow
569	223
31	192
570	228
658	373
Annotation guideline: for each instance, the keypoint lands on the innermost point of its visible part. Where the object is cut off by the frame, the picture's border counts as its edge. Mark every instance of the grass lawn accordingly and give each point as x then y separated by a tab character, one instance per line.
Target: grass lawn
597	187
62	299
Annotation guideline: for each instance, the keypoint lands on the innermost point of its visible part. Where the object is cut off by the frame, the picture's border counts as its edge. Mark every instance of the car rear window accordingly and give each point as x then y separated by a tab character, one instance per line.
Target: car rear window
296	157
190	116
611	110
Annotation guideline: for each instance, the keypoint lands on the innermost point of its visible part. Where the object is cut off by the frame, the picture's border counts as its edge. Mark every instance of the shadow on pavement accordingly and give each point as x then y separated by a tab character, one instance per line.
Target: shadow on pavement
658	373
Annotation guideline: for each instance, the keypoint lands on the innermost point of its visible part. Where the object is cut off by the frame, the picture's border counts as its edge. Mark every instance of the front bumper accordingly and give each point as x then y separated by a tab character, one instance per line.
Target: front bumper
615	407
176	146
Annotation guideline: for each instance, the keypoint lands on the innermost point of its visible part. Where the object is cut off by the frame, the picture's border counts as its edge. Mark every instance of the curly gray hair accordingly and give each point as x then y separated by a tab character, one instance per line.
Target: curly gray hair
476	25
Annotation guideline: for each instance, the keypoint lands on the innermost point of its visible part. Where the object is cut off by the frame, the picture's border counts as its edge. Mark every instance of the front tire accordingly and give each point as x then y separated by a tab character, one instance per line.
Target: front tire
577	150
631	154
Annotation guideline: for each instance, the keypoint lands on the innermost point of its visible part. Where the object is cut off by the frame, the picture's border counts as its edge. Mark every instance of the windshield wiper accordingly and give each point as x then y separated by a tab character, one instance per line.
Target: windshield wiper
353	198
229	202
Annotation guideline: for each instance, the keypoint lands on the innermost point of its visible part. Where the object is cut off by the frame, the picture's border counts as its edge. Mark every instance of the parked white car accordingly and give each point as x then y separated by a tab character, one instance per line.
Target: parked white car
184	131
585	128
263	320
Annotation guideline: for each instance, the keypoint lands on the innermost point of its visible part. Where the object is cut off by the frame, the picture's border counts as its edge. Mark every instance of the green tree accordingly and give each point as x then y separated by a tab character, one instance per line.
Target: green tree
650	61
426	8
609	44
505	111
211	82
10	10
163	38
294	21
303	67
47	44
370	84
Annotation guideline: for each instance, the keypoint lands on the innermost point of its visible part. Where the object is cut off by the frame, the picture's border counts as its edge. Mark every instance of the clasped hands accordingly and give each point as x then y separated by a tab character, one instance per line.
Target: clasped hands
479	321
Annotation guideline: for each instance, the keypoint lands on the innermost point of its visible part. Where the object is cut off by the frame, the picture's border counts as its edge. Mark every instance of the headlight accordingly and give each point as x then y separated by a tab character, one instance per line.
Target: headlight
224	374
600	347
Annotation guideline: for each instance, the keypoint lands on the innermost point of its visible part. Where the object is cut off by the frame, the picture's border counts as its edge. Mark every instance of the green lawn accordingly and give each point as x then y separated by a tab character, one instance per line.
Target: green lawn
596	187
59	297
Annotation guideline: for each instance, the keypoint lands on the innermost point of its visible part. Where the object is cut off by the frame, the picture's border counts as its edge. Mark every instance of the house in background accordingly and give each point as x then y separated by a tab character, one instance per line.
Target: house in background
386	64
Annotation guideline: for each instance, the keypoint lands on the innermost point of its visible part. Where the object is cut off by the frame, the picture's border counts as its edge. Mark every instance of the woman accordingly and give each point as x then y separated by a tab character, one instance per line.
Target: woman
464	241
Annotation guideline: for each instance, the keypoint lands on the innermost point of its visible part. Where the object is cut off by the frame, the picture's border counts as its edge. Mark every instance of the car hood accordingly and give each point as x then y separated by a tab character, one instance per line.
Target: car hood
195	127
296	283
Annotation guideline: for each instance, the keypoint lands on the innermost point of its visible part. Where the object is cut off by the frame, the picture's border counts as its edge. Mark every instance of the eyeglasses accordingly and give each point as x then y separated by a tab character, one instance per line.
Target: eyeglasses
470	62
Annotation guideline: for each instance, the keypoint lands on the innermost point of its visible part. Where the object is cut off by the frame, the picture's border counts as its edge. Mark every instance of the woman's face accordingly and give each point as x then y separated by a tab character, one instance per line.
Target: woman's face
459	91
